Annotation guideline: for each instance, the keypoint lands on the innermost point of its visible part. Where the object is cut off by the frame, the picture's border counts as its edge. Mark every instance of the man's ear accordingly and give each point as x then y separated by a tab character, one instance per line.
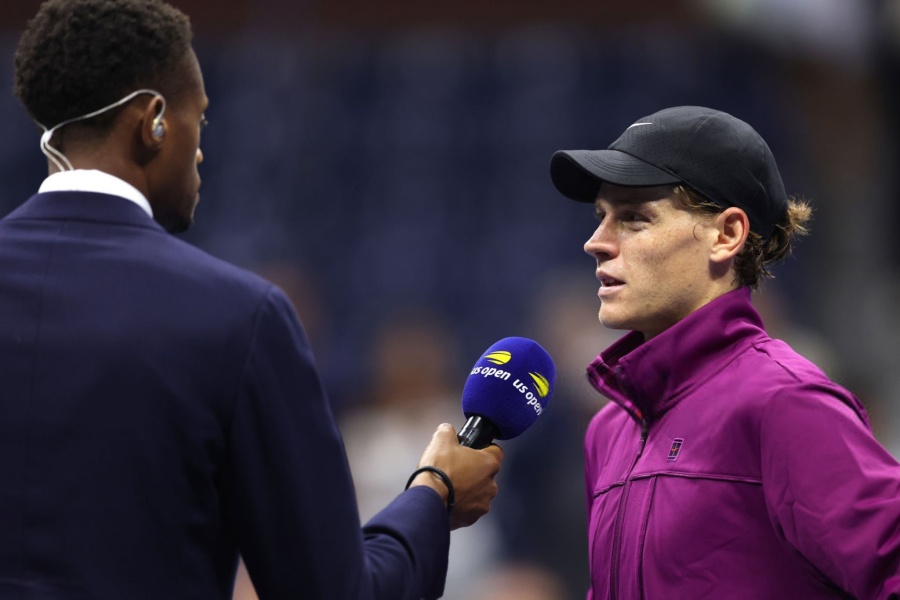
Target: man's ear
153	124
732	228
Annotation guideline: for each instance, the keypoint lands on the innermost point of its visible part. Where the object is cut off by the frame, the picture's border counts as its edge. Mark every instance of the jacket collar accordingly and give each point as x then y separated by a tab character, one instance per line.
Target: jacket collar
649	378
83	206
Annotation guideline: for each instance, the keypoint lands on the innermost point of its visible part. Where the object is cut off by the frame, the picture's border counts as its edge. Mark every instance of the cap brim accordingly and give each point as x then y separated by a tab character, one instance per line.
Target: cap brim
577	174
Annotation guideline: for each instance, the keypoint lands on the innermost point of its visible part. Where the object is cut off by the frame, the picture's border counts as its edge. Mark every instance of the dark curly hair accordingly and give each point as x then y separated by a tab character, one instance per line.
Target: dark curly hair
77	56
753	263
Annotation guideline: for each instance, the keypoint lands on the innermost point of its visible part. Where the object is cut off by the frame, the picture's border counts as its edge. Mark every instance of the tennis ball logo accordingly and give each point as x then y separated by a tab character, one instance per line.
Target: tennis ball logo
541	383
500	357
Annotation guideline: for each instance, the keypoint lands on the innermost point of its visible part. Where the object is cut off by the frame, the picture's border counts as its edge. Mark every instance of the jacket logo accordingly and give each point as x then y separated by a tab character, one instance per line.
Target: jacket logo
676	448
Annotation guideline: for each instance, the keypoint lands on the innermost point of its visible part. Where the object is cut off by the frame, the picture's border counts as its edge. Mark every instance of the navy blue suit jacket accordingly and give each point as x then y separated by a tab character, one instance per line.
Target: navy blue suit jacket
160	412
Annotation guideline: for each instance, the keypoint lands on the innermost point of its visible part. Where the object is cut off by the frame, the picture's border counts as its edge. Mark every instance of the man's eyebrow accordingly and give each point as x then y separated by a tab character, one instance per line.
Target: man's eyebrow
630	202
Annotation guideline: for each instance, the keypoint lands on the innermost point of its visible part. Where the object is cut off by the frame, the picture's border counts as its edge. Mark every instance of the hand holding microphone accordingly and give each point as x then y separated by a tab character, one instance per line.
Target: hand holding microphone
470	474
507	389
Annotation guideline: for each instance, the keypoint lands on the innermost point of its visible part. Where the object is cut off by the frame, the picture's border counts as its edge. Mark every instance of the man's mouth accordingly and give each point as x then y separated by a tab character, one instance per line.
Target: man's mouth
607	281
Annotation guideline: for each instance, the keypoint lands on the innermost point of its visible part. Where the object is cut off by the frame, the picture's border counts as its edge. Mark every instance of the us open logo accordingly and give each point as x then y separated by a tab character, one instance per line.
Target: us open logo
541	383
499	357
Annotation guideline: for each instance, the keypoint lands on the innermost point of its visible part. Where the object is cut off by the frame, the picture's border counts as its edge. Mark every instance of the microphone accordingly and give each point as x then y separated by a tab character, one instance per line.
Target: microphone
507	390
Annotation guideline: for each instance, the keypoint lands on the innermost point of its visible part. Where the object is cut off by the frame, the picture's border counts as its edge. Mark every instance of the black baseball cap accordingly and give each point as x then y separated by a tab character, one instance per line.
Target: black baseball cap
713	153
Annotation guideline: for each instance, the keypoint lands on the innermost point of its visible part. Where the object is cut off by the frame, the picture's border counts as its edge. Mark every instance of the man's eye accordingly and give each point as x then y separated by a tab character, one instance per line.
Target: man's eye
599	216
203	122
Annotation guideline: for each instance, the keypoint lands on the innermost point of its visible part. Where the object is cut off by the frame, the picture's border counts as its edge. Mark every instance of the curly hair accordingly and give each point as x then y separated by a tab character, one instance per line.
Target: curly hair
753	263
76	56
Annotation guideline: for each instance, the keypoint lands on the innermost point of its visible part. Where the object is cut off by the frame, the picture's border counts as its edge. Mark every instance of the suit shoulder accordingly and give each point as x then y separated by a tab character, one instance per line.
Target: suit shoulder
189	261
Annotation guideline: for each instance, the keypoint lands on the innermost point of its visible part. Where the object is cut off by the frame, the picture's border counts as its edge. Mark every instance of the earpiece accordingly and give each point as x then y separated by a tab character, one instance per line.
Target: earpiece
59	159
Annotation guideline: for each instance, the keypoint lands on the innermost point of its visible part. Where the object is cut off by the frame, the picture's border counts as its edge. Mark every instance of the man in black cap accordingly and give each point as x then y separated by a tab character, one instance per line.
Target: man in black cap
726	465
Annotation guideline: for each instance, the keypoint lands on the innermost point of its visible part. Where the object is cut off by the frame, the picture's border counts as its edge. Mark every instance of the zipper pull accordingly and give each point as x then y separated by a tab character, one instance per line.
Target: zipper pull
639	417
643	438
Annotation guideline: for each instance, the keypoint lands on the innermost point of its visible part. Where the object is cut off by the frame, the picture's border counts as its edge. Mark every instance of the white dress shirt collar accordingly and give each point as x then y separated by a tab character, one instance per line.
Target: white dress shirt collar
89	180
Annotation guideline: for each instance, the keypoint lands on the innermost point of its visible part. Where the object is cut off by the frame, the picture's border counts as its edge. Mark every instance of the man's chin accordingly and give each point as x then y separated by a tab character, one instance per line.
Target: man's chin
181	228
176	223
611	321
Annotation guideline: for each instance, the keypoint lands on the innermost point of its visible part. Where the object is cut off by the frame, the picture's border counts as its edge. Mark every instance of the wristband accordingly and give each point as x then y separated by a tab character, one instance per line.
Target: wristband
451	495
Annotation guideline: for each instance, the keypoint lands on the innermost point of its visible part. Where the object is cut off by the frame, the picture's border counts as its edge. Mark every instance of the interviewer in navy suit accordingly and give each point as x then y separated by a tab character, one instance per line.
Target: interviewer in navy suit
160	411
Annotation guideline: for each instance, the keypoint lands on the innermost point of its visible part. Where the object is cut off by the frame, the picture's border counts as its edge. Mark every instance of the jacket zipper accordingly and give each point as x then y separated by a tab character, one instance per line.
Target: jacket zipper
620	510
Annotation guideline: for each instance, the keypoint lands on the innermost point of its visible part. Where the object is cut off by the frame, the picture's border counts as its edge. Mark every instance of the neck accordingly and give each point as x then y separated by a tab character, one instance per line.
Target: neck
115	168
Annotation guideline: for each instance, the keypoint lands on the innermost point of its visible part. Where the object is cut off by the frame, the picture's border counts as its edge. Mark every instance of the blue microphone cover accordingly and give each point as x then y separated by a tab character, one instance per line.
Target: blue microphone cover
510	385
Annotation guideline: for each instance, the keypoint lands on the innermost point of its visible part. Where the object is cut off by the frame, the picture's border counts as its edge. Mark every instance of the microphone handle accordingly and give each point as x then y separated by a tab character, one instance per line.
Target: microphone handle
477	433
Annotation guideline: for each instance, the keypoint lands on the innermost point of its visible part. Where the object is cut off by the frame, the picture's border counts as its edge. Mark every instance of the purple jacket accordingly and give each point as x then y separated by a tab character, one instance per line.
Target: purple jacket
728	466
